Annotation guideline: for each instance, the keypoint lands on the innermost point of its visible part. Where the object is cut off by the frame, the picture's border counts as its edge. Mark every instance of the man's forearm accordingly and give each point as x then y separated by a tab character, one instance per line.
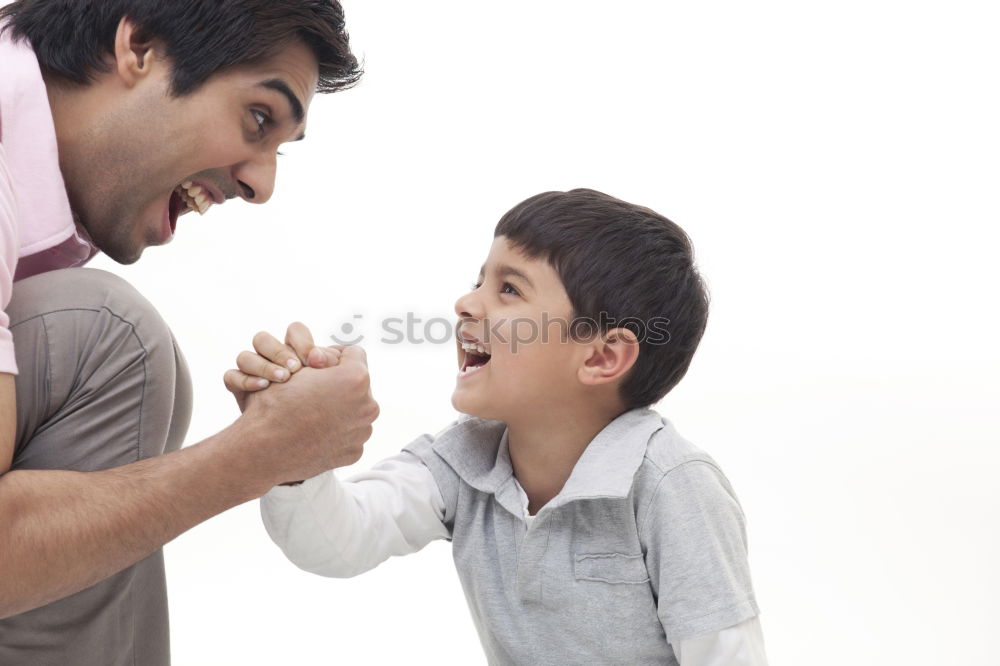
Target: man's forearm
61	531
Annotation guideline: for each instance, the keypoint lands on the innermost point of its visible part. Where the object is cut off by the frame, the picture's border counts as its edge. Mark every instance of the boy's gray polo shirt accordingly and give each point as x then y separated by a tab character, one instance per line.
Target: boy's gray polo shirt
644	546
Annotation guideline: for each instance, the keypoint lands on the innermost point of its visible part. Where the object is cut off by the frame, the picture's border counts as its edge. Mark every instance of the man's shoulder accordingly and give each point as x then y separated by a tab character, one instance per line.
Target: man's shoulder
20	72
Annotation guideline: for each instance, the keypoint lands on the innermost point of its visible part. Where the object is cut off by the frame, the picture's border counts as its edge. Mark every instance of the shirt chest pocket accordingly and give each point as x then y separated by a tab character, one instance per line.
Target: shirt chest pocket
611	568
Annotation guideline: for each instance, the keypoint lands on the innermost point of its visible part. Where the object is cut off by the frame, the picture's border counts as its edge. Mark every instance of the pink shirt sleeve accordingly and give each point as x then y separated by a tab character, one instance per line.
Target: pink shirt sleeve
9	243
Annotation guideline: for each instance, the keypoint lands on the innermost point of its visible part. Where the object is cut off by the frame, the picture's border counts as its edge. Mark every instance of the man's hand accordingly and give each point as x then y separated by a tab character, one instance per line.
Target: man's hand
274	361
323	418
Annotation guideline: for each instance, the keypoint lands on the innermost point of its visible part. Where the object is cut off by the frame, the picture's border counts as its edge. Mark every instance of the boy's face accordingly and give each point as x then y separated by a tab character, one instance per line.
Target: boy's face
519	315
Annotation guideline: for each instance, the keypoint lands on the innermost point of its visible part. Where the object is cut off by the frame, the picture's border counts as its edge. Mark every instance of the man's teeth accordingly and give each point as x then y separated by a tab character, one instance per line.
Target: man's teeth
195	197
474	347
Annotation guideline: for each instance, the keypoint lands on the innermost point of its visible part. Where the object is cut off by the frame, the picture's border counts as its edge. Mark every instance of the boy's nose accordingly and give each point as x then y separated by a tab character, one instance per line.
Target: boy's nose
469	306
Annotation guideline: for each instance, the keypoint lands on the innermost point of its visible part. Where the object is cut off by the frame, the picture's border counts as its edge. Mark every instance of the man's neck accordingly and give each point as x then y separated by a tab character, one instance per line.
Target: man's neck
73	109
62	120
544	449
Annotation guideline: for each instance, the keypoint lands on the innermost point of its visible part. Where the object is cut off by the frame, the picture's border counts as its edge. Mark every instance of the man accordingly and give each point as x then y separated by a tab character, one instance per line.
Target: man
116	117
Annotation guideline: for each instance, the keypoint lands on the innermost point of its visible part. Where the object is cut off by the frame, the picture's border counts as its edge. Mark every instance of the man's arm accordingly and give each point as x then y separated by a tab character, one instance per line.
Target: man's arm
8	421
61	531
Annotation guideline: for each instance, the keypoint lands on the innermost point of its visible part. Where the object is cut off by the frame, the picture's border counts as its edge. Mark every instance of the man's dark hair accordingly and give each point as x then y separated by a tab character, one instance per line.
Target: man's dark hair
72	38
623	266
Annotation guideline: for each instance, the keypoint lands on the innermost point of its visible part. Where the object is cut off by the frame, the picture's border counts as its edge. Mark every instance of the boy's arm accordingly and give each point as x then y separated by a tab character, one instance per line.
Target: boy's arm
327	526
739	645
343	528
693	533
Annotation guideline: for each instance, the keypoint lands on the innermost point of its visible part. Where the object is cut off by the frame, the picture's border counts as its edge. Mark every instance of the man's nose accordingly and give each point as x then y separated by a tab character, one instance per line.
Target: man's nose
255	178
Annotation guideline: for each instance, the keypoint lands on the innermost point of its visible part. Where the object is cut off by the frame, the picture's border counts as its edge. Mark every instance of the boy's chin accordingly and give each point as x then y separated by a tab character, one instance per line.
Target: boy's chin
462	404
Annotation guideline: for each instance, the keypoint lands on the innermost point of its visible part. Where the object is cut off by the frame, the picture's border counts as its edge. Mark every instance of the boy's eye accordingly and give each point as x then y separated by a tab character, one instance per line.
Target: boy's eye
476	285
508	288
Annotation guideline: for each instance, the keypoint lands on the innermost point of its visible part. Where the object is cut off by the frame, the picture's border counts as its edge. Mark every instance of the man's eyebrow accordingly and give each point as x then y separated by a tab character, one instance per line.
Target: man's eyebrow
298	111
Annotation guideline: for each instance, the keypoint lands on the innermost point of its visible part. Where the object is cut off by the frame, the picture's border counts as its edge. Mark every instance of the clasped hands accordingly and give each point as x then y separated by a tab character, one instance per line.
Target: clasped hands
323	418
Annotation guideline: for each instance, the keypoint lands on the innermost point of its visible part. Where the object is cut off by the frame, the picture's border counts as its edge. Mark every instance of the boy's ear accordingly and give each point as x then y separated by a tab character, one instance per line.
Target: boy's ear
609	357
134	53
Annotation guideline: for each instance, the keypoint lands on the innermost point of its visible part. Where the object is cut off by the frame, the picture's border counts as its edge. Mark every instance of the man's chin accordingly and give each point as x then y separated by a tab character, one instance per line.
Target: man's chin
116	241
120	252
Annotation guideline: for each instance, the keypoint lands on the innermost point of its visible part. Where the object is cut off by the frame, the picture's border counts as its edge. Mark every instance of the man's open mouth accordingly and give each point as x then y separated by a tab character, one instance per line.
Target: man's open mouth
186	197
474	356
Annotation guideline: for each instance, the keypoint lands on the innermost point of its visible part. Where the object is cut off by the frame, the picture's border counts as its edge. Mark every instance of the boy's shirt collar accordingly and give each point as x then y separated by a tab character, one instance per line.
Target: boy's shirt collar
477	450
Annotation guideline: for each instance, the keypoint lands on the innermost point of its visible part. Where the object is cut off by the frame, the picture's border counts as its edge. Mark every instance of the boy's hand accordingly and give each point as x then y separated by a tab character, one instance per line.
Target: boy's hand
275	361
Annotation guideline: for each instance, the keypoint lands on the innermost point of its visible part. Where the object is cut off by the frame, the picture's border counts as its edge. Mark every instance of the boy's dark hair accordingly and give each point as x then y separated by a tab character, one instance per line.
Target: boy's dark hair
623	266
72	38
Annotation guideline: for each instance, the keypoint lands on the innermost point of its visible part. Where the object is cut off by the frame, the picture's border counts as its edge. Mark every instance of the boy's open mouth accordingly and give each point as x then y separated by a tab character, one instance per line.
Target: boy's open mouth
474	357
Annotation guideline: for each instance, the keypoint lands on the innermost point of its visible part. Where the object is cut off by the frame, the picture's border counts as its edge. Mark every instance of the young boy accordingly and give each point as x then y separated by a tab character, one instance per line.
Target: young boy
584	528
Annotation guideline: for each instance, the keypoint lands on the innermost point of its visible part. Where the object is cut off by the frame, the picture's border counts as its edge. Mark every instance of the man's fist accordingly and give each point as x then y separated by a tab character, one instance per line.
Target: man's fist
313	421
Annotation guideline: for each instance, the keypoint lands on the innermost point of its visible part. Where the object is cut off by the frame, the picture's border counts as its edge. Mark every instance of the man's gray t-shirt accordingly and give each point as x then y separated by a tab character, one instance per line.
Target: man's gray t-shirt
644	546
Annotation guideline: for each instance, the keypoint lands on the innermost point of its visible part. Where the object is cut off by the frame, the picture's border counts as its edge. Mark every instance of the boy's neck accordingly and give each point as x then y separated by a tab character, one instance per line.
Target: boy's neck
544	449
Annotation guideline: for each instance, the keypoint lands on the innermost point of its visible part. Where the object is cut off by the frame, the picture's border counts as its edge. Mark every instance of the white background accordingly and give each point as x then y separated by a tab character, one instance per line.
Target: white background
836	165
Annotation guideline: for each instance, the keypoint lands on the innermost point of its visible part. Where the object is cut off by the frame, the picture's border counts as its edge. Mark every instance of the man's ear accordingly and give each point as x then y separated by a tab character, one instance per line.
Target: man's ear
134	55
609	357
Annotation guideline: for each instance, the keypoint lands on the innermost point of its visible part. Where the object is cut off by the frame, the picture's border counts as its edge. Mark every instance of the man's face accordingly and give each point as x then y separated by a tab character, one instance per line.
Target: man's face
150	153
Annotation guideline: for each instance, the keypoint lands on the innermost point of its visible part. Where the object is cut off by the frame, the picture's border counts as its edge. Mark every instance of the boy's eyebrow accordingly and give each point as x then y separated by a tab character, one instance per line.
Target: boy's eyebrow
504	270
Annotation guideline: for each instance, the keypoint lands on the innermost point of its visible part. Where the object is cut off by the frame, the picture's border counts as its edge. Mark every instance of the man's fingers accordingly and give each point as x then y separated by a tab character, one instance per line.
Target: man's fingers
300	339
272	349
256	365
239	382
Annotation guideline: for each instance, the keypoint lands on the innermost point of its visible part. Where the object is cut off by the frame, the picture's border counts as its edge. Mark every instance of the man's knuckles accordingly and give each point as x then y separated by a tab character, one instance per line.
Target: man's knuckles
372	411
351	376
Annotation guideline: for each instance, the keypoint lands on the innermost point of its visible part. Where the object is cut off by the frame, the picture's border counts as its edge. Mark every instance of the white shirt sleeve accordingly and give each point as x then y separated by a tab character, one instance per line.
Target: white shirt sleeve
739	645
343	528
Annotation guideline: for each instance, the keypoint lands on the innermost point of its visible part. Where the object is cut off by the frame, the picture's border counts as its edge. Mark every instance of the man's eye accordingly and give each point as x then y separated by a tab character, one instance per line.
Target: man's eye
261	118
508	288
